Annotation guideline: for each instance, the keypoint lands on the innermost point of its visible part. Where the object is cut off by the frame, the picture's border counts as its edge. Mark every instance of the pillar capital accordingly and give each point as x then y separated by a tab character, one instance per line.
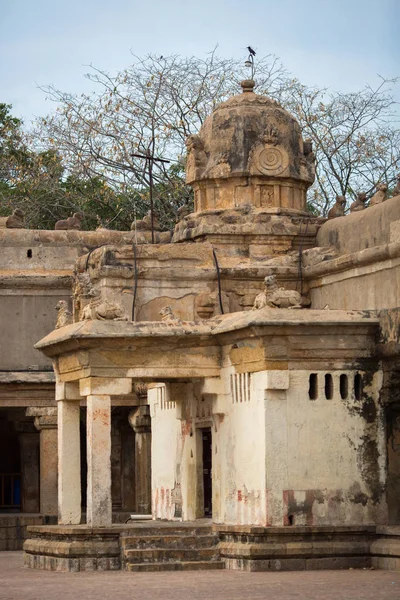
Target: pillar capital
67	390
140	420
44	417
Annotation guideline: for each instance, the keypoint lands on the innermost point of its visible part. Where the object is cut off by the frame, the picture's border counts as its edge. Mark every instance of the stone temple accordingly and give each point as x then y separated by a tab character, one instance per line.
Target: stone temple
234	386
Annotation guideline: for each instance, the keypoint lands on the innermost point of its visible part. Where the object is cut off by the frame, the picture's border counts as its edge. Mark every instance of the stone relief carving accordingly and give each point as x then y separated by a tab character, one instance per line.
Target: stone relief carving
196	158
207	304
278	297
271	135
167	316
270	159
338	208
380	194
64	316
74	222
359	203
102	309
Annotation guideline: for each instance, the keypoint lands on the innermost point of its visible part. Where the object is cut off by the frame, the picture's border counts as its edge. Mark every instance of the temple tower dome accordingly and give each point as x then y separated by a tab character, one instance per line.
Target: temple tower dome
249	151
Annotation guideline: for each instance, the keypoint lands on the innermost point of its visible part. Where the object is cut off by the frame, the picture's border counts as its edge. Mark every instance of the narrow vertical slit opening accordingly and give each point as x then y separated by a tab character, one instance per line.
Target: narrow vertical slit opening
357	386
328	386
344	386
313	386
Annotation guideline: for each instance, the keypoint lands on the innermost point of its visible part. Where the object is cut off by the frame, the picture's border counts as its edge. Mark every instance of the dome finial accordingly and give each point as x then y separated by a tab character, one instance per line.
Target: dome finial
247	85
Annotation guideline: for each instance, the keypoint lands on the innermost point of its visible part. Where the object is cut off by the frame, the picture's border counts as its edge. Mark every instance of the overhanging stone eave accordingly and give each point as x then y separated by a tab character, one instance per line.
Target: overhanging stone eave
272	320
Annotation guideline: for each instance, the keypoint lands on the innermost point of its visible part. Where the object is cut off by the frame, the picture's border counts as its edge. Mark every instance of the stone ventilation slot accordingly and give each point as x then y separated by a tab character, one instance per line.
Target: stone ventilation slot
328	386
29	253
357	386
240	387
344	386
313	386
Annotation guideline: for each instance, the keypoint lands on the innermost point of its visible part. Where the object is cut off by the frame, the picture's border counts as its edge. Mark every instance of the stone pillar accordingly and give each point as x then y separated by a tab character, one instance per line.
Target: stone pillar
46	423
98	391
29	447
69	454
140	421
99	510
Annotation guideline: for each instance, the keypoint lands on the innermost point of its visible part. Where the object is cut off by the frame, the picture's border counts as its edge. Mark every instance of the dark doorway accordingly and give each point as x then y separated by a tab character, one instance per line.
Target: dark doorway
83	459
10	466
207	471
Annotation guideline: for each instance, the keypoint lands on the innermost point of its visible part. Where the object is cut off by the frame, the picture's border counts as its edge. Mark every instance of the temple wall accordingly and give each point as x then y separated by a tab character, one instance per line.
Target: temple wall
365	274
325	457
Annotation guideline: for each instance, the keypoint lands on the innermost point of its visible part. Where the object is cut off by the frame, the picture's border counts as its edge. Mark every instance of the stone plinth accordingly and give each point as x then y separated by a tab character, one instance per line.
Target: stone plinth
61	548
247	548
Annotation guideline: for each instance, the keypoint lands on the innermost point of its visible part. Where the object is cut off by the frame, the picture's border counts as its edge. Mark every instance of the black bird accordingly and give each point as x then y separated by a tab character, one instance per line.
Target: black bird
250	49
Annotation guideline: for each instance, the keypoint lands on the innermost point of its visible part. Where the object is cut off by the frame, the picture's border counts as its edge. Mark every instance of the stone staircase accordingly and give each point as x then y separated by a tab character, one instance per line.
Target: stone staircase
170	549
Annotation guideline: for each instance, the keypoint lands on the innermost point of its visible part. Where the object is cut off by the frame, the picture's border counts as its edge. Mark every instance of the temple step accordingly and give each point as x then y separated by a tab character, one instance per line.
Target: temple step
198	565
170	549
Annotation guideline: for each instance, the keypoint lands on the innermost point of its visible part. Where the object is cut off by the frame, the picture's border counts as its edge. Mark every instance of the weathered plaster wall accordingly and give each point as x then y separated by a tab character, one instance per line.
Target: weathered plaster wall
357	231
325	458
365	274
238	459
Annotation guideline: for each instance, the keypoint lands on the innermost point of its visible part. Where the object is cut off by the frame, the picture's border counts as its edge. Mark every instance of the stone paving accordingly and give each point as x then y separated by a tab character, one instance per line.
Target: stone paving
17	583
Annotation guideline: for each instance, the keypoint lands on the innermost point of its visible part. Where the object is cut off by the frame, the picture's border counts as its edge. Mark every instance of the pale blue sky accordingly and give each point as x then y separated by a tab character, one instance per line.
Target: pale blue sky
342	44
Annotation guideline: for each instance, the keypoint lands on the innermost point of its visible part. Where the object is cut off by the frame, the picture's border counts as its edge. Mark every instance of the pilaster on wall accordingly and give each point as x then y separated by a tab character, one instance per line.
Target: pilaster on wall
45	420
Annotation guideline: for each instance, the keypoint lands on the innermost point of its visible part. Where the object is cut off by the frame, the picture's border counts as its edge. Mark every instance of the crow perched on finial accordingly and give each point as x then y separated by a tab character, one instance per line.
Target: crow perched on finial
250	49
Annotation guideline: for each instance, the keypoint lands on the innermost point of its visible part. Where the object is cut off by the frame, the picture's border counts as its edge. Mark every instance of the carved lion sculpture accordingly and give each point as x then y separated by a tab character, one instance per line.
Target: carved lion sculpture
380	194
74	222
145	223
101	309
167	316
337	209
64	316
359	203
16	220
279	297
396	190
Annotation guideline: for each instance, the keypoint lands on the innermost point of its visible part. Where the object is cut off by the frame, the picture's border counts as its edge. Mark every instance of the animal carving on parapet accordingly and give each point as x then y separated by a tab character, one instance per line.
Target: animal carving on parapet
278	297
74	222
16	220
380	194
396	189
145	223
183	212
337	209
167	316
64	316
359	203
101	309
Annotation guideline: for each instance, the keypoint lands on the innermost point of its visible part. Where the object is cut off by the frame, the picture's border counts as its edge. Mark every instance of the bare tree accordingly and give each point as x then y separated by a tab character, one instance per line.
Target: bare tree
152	106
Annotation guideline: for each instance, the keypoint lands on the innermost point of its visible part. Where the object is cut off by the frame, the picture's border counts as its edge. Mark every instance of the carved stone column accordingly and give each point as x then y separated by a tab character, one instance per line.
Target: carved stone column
140	421
98	392
69	454
46	423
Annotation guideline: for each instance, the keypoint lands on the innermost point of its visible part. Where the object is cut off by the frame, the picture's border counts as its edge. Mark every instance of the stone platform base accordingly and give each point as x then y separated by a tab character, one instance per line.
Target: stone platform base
13	528
78	548
161	545
385	548
294	548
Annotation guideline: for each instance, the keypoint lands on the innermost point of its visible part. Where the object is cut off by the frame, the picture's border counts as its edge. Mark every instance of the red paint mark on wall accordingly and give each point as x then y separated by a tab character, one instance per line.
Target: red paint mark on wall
239	495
